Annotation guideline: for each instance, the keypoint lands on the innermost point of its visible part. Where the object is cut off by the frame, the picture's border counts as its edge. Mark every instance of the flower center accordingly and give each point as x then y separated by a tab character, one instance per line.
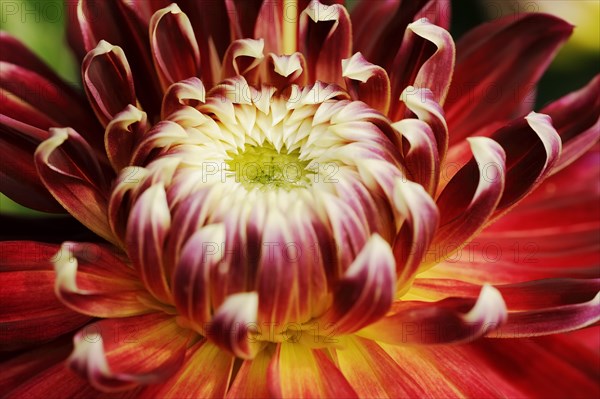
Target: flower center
264	167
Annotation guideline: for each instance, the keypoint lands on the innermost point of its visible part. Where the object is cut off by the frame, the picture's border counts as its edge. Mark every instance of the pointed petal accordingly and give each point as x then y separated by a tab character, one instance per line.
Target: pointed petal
425	60
173	62
486	60
243	57
367	82
553	320
107	81
234	325
30	312
421	102
470	198
531	160
366	291
446	321
93	280
418	230
70	171
120	354
122	133
147	228
576	118
297	371
325	38
421	156
191	278
189	92
284	70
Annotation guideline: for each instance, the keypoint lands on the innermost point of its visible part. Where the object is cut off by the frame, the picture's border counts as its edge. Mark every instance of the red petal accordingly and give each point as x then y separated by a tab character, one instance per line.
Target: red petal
425	60
284	70
120	354
421	156
19	179
367	82
446	321
325	38
470	198
418	230
234	325
173	63
71	172
122	133
189	92
366	291
107	81
576	118
147	228
30	311
243	57
27	365
191	277
485	88
94	280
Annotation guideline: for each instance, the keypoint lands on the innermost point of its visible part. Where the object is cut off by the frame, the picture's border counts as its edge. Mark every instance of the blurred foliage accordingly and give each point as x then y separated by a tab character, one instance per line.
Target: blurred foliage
41	25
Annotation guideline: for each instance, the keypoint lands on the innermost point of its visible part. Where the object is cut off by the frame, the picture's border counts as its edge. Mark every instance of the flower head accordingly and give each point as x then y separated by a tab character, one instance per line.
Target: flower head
295	200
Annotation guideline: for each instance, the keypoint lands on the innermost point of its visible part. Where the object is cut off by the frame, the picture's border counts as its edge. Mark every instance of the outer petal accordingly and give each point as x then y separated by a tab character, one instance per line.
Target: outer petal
107	81
366	291
425	60
469	199
325	38
485	88
576	118
297	371
24	366
205	373
120	354
69	169
551	233
19	179
58	382
173	62
30	312
93	280
450	320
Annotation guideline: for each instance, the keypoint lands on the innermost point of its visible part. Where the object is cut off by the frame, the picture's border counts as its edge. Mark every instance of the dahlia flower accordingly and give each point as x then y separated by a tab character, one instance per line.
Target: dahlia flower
289	199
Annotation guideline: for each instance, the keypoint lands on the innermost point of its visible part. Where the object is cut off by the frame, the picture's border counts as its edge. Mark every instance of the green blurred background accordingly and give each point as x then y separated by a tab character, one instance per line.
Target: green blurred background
41	25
